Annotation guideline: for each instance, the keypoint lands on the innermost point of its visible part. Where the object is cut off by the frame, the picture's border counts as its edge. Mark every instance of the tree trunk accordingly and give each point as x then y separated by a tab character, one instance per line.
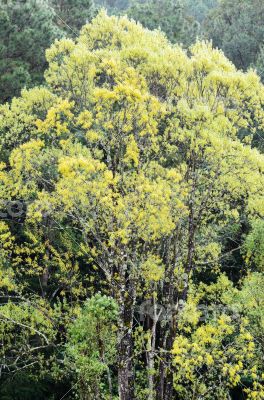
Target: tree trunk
126	300
151	351
125	367
167	332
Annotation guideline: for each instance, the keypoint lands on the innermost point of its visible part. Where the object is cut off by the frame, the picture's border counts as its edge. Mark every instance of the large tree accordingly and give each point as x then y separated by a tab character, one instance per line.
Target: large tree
132	169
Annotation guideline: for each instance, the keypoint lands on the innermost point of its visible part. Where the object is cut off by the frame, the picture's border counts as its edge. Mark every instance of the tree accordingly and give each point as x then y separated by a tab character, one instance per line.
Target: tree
131	167
91	346
168	15
220	348
254	246
73	14
199	9
113	6
27	28
248	301
236	27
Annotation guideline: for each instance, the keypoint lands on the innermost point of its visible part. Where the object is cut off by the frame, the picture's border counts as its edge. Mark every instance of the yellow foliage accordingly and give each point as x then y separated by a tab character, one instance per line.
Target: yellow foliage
152	269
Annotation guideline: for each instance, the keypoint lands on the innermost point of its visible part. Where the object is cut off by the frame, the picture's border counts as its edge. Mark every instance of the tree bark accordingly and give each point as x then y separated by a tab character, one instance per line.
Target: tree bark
125	367
126	300
152	349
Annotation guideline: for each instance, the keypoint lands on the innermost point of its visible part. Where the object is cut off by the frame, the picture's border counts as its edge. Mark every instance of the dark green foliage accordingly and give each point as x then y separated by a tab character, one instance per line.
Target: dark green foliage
73	14
200	8
260	62
168	15
23	386
236	26
113	6
27	28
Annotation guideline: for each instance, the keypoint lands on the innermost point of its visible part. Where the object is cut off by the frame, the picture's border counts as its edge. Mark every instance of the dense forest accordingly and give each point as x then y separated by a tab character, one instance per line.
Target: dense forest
131	205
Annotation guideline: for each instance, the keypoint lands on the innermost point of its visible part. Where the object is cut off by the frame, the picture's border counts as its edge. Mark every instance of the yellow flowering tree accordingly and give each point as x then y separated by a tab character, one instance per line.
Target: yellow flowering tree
132	165
212	360
219	348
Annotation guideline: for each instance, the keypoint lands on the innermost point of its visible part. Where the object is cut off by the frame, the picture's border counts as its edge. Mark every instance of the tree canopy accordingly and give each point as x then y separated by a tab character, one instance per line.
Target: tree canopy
131	216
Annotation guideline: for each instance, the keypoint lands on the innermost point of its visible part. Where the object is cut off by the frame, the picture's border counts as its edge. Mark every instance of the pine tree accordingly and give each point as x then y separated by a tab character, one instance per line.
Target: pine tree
27	28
